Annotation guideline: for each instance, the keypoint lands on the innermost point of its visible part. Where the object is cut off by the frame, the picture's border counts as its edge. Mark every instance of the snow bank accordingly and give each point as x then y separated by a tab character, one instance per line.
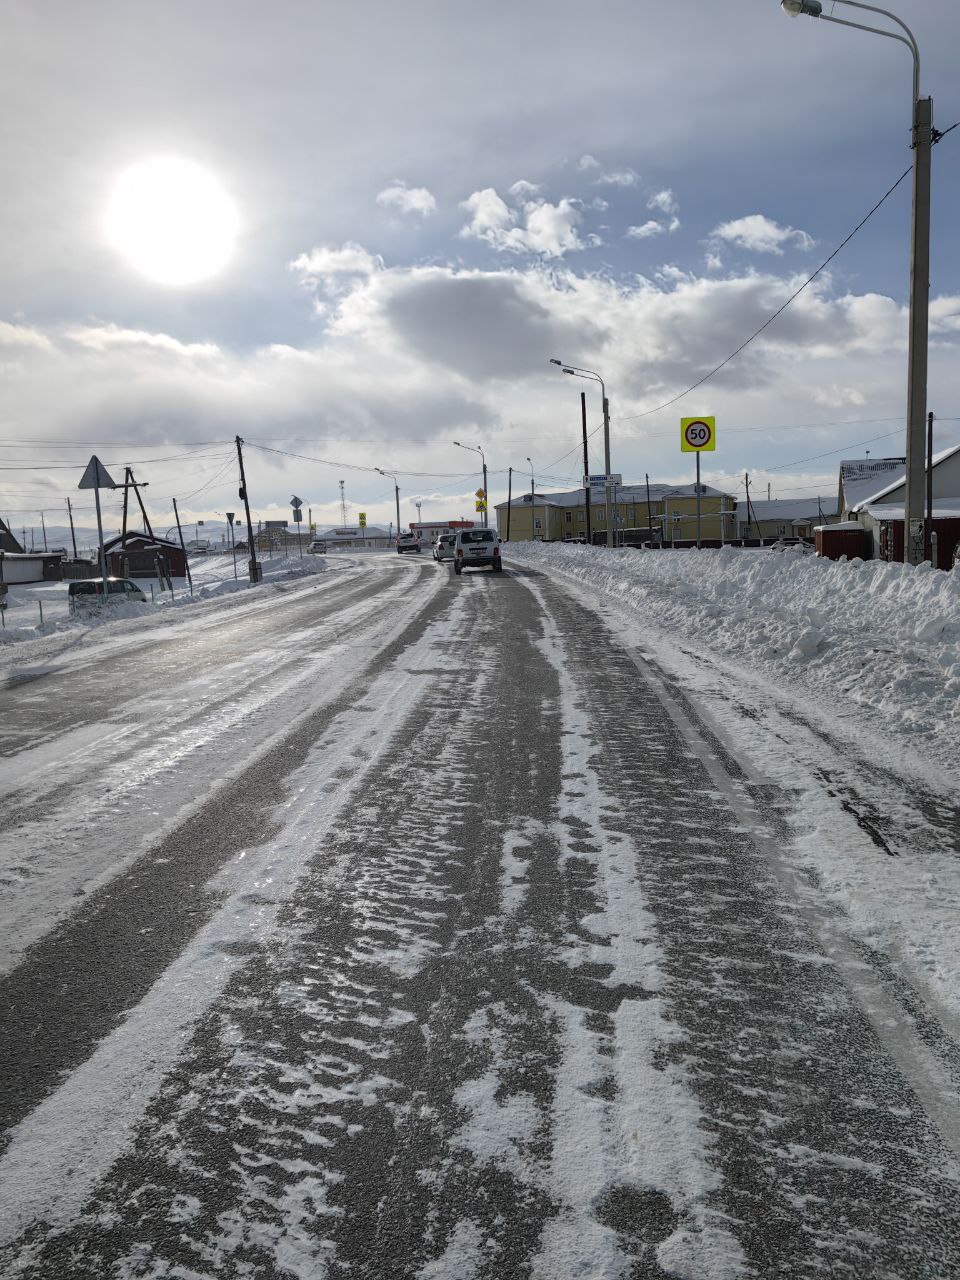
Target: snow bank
858	633
211	579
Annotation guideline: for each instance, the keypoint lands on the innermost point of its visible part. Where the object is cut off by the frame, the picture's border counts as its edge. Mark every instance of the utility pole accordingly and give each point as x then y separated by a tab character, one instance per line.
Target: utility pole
486	496
509	498
928	523
586	468
73	535
186	558
746	481
606	463
649	510
256	573
923	135
43	526
343	506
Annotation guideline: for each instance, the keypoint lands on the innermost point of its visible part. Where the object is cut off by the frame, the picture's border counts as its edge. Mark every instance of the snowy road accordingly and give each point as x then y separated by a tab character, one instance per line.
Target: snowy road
406	926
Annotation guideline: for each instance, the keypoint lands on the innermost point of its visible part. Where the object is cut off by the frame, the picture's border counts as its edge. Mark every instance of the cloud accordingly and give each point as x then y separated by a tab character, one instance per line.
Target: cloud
106	337
837	397
406	199
713	261
18	335
522	188
618	178
327	263
646	229
587	163
760	234
664	201
549	230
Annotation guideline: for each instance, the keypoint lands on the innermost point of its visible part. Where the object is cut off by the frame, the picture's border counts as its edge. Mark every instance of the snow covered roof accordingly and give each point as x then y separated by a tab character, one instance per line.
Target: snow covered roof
345	533
789	508
138	535
896	483
863	478
943	509
634	493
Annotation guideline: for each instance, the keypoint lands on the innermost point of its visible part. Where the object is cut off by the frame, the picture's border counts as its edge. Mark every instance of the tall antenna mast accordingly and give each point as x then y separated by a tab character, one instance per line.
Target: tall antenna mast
343	507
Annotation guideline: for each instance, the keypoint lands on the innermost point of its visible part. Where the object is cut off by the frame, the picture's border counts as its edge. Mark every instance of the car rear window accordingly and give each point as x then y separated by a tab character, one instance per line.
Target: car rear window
82	589
478	535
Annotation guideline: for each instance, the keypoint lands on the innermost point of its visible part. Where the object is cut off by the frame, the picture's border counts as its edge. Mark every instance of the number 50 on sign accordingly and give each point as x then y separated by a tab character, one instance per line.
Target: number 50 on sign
698	435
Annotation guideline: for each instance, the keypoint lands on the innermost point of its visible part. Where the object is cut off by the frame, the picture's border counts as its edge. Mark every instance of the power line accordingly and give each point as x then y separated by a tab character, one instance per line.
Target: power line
779	311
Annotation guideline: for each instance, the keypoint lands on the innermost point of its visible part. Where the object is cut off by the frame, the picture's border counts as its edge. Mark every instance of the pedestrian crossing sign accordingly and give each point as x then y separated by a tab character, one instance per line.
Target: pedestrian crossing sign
363	519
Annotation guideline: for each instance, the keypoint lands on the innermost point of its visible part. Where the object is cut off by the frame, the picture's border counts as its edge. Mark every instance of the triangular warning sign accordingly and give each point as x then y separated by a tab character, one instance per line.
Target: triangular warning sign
96	476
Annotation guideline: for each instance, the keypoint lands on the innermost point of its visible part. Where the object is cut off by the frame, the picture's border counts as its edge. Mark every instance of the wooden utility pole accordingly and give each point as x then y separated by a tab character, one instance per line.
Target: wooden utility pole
509	498
73	536
255	570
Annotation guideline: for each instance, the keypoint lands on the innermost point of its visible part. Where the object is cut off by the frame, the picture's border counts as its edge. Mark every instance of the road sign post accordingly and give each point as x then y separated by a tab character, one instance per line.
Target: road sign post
362	518
96	477
296	503
698	435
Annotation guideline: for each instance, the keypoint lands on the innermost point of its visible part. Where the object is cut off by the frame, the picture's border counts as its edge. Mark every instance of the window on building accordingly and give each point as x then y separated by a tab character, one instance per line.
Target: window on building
582	517
538	523
568	516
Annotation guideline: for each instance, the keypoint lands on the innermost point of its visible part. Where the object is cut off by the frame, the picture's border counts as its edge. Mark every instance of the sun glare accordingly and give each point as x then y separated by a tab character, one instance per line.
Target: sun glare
172	220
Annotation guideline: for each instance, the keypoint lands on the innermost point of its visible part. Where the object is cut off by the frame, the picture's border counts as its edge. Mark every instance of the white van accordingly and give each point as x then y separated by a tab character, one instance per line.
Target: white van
87	596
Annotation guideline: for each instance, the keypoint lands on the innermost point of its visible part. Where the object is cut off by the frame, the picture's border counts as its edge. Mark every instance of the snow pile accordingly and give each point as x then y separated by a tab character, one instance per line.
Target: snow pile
212	578
858	633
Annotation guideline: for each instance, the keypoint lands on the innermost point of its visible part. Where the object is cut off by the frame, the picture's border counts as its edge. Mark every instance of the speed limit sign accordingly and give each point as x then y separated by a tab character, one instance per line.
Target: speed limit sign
698	435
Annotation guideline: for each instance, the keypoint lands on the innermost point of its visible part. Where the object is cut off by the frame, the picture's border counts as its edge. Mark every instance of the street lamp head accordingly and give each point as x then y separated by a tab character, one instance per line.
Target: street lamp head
553	361
793	8
566	370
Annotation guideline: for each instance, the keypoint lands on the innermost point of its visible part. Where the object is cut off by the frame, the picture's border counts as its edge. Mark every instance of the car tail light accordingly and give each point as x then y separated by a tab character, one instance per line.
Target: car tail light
496	551
459	553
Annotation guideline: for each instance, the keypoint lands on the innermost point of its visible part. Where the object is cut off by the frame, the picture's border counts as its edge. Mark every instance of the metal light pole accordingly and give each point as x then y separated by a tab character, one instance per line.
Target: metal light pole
576	372
923	137
396	493
475	448
532	496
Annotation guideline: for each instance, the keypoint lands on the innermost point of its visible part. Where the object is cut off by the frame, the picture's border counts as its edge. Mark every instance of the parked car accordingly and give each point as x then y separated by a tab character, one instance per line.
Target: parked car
317	548
443	548
796	545
476	547
87	595
408	542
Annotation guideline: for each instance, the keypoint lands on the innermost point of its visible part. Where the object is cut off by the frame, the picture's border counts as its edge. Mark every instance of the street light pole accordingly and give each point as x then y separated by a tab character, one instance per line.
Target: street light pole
923	137
475	448
532	496
576	372
396	493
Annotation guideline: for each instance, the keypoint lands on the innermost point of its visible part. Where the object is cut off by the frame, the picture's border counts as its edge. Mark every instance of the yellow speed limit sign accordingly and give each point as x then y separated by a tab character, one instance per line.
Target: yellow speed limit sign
698	435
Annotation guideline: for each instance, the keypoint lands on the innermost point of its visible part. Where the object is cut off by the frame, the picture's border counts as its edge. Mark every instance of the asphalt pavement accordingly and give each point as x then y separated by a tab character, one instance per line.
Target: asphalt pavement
529	994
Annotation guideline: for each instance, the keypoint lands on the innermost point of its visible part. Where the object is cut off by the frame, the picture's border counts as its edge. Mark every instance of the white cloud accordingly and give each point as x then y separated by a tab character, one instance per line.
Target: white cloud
600	204
18	335
110	336
326	263
588	163
664	201
713	261
407	199
646	229
760	234
619	178
524	189
837	397
548	229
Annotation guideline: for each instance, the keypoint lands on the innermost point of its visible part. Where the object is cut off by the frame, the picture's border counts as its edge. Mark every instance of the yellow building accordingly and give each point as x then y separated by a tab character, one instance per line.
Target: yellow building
562	517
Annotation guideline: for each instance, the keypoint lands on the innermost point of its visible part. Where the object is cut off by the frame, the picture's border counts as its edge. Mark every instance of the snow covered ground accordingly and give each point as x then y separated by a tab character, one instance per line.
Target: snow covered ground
213	576
840	683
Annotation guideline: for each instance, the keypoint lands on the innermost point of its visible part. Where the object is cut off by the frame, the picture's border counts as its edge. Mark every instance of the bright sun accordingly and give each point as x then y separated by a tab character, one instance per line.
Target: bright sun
172	220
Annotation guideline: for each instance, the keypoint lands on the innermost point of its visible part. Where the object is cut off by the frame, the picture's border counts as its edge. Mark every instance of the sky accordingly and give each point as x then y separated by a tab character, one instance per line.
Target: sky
419	206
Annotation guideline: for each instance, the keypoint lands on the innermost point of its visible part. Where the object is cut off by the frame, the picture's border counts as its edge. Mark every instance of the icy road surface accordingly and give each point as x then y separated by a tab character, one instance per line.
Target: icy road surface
395	925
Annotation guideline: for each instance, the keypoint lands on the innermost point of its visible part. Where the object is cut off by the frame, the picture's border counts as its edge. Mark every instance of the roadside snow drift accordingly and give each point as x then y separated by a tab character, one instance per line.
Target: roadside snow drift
857	634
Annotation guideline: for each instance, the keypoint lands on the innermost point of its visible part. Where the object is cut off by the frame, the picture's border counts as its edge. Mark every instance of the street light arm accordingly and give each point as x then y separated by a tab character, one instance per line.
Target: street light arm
879	31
